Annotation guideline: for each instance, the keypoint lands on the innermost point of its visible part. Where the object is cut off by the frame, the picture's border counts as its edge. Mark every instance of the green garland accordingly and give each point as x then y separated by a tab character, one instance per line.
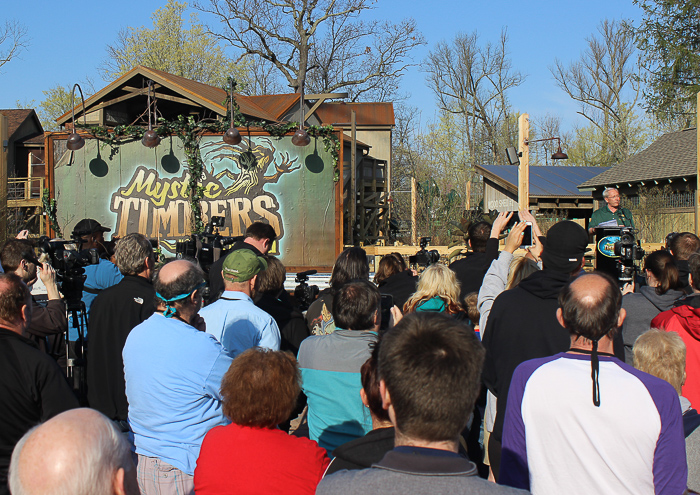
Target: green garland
49	205
190	132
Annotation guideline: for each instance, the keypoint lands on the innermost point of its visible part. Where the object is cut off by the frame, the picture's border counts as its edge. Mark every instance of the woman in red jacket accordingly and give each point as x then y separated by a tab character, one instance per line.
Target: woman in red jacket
251	455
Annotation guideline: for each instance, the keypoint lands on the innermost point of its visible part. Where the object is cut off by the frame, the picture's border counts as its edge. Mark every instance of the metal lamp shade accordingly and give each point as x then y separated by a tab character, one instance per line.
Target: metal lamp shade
150	139
75	141
301	138
232	136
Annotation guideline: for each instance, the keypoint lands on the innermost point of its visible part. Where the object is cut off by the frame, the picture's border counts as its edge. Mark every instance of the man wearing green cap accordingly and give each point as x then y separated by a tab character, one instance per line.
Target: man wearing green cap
234	319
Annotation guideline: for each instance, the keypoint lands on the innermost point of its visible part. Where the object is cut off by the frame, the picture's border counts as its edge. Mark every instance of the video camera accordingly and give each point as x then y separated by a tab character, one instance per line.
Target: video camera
305	293
202	247
68	263
629	250
424	257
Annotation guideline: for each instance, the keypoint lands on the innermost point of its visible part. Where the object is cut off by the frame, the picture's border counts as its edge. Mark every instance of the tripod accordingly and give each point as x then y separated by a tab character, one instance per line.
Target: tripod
75	351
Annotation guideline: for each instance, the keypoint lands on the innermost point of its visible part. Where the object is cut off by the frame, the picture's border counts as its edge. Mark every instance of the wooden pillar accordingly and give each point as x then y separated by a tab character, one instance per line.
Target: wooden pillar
352	193
4	153
697	177
524	167
414	211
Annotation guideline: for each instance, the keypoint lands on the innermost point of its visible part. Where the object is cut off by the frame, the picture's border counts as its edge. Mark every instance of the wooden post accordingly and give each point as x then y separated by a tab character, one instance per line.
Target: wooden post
468	195
4	151
524	167
697	177
352	193
414	211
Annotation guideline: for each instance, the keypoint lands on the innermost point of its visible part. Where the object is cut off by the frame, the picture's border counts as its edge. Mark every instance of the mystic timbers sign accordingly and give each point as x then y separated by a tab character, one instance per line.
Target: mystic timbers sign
263	179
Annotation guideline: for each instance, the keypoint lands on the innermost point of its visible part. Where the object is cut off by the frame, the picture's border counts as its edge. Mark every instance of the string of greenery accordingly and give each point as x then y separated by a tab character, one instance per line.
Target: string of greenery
49	205
190	131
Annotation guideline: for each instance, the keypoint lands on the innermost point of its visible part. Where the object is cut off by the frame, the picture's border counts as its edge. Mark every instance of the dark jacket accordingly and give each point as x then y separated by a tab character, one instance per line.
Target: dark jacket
114	313
362	452
641	308
470	271
48	327
683	272
289	319
216	281
32	390
400	285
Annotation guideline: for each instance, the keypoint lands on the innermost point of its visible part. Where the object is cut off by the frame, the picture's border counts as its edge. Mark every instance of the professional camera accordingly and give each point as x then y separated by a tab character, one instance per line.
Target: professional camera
305	293
68	263
204	246
629	251
424	257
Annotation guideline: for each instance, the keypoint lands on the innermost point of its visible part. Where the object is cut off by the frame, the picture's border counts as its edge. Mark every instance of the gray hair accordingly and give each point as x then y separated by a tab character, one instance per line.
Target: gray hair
607	190
131	253
91	471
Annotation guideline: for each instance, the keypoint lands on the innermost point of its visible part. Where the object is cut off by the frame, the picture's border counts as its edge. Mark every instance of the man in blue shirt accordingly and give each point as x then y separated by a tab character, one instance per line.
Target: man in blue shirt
173	373
234	319
97	277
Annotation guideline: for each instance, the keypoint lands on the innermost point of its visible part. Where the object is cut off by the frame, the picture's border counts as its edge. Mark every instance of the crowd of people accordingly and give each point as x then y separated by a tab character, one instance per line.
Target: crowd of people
504	372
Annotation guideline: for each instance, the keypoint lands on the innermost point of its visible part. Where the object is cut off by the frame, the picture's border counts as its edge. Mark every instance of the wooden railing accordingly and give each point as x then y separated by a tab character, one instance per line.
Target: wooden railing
24	191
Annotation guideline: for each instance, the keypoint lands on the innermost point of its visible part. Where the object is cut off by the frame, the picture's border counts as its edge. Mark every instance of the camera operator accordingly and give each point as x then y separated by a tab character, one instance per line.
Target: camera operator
18	257
97	277
259	237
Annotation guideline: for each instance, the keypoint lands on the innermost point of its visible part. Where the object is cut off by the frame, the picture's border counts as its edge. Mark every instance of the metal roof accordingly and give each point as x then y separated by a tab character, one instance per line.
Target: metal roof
366	114
276	105
672	155
544	181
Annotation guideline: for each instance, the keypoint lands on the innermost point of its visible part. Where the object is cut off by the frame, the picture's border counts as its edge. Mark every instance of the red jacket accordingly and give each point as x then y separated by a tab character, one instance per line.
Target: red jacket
685	321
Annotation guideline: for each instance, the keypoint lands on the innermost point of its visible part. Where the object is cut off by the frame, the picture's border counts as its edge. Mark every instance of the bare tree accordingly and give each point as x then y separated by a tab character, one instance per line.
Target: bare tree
599	80
13	39
321	41
472	80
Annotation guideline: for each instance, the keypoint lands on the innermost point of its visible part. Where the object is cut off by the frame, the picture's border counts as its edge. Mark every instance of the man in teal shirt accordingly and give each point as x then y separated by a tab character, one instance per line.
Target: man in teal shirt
611	211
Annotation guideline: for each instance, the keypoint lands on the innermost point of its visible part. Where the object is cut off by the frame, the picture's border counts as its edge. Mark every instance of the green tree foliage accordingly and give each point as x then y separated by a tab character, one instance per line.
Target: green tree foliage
171	46
669	40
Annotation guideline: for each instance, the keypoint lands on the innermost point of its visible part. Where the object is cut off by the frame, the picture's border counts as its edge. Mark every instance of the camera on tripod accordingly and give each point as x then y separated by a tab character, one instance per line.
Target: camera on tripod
305	293
69	264
629	251
424	257
203	247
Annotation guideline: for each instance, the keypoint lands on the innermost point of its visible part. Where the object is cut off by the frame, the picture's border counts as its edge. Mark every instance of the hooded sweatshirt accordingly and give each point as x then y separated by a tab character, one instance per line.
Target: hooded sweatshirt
362	452
641	308
685	320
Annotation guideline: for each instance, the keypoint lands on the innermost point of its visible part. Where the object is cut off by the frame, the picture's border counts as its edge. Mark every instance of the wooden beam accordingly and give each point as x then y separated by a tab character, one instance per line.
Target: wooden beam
414	211
353	177
524	167
132	89
325	95
313	108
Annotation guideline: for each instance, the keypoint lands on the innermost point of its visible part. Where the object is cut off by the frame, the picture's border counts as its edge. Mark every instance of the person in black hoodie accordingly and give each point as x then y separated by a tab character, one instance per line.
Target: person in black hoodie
522	324
271	297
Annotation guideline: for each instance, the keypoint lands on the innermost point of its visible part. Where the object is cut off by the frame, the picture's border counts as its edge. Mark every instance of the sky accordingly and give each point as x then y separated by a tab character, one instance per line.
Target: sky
68	43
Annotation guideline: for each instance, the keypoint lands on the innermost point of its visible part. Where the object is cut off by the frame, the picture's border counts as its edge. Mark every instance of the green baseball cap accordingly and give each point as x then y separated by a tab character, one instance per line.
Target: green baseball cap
242	265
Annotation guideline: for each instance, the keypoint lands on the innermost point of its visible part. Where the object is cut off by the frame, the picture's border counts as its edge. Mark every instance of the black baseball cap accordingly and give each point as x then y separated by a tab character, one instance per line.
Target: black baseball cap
88	226
564	247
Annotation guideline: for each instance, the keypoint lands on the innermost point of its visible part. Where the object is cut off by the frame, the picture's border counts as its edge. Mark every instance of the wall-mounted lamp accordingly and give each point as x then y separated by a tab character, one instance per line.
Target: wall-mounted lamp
513	155
150	137
75	140
558	155
232	136
301	137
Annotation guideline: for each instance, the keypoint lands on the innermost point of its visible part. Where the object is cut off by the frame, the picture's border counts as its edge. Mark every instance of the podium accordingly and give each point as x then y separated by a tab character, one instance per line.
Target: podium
605	259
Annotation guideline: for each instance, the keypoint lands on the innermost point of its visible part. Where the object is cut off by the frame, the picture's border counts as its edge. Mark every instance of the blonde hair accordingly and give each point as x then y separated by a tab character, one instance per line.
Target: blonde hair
661	354
520	268
436	280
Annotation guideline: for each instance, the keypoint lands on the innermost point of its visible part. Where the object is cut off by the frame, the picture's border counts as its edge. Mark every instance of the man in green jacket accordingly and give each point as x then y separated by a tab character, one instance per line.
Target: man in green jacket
611	211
